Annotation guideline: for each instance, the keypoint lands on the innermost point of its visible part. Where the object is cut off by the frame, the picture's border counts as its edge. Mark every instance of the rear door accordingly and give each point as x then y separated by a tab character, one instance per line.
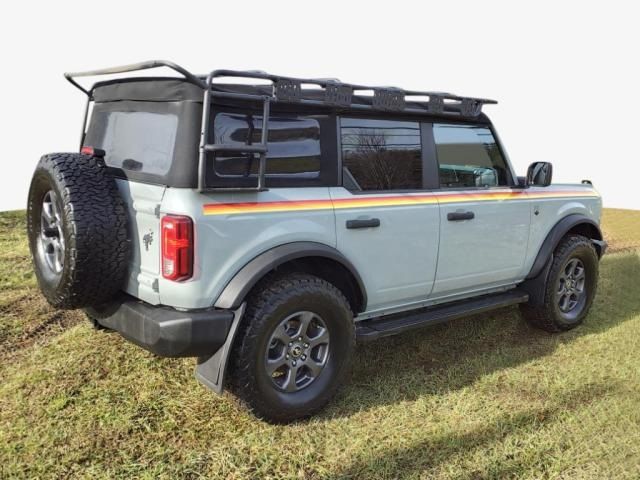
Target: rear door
484	220
387	222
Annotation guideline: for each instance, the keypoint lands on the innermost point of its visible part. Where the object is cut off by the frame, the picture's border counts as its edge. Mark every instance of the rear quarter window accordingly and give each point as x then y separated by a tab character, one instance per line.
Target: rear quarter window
302	149
293	141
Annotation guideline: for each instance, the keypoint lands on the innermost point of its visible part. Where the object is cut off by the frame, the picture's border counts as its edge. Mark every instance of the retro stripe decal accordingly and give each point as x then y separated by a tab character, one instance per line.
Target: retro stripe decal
361	201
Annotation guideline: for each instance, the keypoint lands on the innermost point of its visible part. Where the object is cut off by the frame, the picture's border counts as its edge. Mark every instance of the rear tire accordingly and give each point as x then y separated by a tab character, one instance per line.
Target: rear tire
570	287
77	231
294	348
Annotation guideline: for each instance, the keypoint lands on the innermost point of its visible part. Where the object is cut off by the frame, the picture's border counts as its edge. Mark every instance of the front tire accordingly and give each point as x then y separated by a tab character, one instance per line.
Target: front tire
570	287
294	349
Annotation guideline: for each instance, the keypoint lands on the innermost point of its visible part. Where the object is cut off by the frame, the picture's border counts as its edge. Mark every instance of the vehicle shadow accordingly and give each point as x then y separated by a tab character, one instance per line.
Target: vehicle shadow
431	452
451	356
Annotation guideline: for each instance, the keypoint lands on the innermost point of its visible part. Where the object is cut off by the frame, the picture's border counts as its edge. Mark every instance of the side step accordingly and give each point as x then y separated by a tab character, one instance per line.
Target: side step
374	328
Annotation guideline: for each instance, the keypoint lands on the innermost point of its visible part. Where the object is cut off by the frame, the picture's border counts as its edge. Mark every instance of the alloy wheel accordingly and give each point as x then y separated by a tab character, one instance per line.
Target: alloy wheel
297	352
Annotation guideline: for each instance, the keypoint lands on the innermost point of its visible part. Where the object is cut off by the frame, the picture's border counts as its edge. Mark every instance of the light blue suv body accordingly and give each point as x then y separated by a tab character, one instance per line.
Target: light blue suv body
410	210
414	258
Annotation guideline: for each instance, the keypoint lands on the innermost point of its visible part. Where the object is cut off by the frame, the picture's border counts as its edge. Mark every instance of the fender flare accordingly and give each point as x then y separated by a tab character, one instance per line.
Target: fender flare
558	231
244	280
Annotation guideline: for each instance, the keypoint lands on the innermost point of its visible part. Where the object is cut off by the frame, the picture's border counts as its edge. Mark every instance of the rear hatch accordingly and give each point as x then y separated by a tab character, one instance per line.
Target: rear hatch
139	143
148	146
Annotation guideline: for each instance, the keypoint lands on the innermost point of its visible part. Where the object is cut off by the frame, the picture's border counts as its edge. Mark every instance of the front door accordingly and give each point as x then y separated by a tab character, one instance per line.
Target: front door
484	221
387	223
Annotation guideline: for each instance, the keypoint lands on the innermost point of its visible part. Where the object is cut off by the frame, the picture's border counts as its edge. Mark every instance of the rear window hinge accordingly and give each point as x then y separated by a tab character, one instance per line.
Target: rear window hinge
155	285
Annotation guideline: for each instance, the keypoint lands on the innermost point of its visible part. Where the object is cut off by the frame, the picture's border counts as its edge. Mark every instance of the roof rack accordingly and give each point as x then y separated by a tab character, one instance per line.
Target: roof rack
133	67
284	89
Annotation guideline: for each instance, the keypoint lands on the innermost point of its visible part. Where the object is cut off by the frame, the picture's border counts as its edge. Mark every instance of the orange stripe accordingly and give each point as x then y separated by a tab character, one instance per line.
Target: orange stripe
380	201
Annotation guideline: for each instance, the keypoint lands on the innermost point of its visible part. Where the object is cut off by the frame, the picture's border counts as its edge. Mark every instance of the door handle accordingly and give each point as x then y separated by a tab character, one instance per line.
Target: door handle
363	223
458	216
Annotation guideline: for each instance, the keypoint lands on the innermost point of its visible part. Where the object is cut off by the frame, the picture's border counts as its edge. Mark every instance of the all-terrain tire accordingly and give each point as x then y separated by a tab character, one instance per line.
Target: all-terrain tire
549	315
74	205
276	298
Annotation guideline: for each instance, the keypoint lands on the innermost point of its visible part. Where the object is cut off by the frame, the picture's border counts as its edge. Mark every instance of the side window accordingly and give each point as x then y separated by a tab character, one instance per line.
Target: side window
294	145
468	157
381	154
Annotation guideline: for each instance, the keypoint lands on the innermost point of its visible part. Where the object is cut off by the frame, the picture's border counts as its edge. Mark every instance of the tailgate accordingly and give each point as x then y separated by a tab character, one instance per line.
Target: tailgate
143	204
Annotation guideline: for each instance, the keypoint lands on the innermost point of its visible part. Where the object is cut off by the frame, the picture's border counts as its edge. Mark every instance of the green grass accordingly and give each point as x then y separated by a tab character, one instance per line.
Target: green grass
482	397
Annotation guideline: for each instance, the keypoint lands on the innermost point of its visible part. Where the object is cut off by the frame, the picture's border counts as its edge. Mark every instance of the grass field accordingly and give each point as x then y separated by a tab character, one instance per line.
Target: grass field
482	397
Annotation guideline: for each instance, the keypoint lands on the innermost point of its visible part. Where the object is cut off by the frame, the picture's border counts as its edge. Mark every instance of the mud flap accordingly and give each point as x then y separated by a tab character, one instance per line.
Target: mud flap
210	370
536	286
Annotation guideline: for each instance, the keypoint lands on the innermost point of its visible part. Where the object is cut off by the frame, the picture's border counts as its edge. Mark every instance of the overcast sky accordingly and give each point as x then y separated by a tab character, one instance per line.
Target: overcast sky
565	74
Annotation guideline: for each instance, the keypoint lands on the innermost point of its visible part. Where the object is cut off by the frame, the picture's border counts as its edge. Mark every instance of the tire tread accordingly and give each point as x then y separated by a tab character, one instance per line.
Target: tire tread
98	240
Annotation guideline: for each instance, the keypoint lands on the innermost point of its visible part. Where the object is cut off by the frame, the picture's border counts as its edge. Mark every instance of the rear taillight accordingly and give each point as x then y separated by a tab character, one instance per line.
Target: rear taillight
94	152
177	247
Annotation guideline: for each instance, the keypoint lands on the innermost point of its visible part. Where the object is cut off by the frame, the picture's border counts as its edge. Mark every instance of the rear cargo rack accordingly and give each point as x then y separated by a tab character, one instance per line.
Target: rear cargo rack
331	93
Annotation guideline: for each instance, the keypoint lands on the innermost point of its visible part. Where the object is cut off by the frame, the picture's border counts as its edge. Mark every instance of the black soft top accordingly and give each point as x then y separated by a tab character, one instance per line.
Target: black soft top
326	93
192	97
169	89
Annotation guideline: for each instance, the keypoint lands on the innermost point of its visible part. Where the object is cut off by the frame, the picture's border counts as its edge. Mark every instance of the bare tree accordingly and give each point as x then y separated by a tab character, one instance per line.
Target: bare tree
377	165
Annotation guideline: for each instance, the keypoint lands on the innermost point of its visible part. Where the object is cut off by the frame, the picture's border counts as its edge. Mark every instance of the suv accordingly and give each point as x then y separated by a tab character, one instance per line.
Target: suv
265	226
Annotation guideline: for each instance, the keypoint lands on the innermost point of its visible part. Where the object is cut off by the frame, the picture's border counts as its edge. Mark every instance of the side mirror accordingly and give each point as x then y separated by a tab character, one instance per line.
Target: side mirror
539	174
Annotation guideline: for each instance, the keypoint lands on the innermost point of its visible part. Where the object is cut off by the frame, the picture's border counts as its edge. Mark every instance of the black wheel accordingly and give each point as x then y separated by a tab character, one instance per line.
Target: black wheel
77	231
294	348
570	287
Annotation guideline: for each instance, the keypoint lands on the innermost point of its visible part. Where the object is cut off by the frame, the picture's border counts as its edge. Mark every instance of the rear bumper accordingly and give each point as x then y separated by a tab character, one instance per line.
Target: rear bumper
165	331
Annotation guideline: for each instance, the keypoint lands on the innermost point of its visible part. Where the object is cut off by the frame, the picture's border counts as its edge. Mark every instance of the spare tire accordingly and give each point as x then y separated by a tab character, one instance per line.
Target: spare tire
77	229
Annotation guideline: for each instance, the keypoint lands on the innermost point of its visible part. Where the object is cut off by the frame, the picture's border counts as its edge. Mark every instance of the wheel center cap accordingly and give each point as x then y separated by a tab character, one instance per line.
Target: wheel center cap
296	350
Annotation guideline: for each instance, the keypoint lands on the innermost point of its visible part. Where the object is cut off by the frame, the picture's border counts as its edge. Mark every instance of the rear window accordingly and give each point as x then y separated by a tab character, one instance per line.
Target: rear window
138	141
293	142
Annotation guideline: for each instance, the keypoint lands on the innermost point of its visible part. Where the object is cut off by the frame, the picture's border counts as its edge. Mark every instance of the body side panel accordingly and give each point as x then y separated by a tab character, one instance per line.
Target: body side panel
231	229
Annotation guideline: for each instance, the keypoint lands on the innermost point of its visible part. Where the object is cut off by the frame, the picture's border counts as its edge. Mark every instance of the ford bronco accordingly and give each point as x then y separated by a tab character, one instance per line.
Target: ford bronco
263	224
